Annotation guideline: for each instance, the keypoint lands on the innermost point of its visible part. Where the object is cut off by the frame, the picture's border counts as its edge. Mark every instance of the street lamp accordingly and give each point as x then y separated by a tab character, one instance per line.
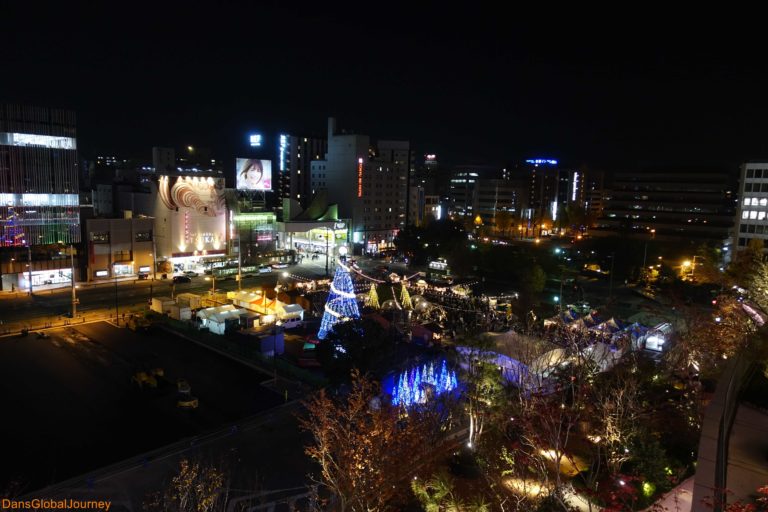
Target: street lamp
72	279
213	284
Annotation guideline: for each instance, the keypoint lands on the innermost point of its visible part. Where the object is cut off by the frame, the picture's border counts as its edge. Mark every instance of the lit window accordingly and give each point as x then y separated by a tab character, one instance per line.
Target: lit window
753	215
744	214
760	215
746	201
754	201
764	202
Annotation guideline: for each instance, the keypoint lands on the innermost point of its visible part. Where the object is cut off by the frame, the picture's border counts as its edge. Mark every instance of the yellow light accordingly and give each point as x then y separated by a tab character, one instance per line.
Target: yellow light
190	148
686	263
538	240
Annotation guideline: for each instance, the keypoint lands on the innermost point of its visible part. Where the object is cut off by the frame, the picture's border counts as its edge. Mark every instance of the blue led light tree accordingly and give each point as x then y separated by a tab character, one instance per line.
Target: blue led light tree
411	386
341	304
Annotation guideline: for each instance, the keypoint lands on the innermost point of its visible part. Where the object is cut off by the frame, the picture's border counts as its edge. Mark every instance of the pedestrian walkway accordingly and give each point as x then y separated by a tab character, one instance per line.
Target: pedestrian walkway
679	499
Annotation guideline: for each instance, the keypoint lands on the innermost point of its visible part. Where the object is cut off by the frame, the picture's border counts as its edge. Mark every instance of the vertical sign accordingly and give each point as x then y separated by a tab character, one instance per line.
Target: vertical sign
359	177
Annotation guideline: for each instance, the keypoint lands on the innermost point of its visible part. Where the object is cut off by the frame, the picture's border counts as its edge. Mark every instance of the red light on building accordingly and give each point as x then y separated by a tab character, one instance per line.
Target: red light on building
359	177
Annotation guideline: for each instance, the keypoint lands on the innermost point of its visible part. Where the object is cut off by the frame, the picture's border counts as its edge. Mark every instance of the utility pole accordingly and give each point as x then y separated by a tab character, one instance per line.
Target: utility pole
239	263
610	286
117	312
326	252
72	278
29	260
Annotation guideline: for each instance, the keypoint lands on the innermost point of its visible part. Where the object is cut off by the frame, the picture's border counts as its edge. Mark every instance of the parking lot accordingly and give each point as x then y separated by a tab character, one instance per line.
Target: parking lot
69	405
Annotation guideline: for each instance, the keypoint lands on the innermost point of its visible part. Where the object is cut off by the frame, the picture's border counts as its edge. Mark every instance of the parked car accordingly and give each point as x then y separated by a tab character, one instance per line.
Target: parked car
143	275
265	269
181	279
279	265
191	273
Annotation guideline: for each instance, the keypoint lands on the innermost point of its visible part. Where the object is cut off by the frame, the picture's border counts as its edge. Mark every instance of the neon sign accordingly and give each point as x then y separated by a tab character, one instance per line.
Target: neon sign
359	177
283	150
255	140
537	161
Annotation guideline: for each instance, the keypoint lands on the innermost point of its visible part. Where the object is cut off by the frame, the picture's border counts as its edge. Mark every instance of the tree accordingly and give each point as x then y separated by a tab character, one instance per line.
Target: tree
405	297
361	344
483	386
437	495
196	488
373	297
341	305
503	221
617	414
364	449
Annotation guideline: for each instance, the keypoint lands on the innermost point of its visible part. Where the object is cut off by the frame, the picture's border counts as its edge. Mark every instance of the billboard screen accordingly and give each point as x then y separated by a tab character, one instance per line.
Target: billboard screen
253	174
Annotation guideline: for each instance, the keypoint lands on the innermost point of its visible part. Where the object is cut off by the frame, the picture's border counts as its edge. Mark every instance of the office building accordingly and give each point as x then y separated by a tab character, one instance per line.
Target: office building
39	202
693	203
751	221
483	191
295	155
369	183
120	248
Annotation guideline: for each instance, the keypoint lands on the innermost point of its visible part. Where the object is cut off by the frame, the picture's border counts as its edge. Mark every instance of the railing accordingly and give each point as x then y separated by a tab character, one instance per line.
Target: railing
39	324
743	369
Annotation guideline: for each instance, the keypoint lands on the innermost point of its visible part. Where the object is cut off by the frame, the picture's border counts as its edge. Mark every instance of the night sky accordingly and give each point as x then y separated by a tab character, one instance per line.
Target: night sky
473	87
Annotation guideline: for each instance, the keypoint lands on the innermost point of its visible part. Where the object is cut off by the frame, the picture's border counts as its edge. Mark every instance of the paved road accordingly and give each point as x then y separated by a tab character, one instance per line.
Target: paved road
69	406
54	304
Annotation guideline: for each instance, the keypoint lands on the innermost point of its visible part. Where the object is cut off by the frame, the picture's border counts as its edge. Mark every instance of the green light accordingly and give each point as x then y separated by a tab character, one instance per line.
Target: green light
254	217
648	489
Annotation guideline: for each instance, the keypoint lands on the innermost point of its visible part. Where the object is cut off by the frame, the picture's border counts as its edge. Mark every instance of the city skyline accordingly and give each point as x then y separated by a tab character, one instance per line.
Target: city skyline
470	87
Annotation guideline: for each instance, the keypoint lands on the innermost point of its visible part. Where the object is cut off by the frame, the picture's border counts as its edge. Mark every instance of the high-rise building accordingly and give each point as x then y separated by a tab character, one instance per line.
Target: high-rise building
39	202
694	203
369	182
295	155
751	217
484	191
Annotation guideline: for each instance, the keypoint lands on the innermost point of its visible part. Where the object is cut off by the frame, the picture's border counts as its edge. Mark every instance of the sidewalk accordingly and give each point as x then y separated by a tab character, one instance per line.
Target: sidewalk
679	499
40	324
50	289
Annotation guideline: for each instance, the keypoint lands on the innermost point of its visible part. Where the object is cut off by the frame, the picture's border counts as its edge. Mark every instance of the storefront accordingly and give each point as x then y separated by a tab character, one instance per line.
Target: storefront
123	269
312	237
56	278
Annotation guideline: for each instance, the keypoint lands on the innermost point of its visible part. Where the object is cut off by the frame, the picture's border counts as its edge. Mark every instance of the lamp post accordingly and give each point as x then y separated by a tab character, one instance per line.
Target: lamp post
117	310
29	265
326	250
213	284
610	284
239	263
72	278
275	325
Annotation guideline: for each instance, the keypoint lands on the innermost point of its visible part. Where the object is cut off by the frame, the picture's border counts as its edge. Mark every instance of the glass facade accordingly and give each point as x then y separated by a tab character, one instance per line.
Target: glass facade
39	201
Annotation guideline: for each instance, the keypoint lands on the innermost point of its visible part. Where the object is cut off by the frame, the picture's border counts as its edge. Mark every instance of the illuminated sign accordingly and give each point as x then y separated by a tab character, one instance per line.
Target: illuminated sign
143	269
253	174
101	273
39	199
575	185
283	151
255	140
438	265
431	157
29	139
263	217
538	161
359	177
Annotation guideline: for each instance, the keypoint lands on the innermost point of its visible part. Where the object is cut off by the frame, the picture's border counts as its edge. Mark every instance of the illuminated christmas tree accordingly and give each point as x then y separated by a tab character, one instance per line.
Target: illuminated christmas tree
405	297
373	297
410	387
341	304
